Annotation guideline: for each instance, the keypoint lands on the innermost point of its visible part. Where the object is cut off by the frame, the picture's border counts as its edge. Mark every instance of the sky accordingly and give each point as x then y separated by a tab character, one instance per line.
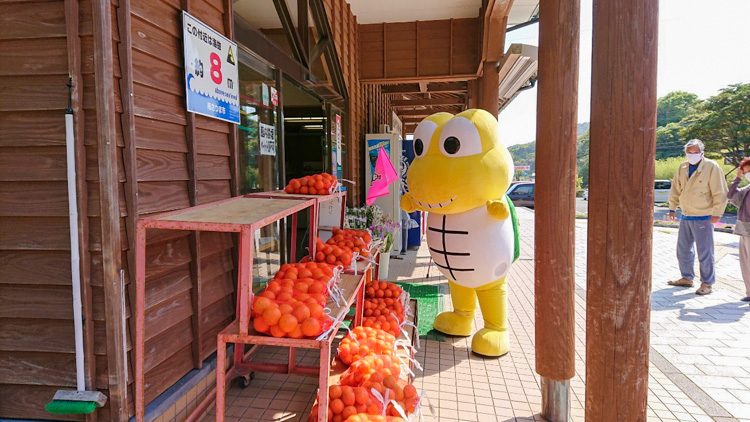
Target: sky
703	47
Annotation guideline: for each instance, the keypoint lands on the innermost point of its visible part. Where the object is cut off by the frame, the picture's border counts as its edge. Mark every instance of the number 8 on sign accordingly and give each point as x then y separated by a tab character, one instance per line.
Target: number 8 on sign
215	68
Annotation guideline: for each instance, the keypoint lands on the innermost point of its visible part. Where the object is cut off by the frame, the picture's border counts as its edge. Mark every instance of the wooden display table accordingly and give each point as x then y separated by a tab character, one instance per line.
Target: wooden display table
243	215
354	293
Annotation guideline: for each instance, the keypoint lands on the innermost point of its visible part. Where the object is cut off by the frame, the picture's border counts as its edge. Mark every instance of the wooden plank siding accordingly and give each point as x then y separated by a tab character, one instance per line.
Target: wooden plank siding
439	50
35	278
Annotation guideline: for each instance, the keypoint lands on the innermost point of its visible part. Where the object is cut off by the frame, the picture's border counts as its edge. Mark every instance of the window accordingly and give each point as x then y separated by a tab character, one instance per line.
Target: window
523	190
258	128
662	185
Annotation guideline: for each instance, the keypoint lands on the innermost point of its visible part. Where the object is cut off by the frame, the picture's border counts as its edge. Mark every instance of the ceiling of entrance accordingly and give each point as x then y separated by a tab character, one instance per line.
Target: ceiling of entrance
262	14
369	11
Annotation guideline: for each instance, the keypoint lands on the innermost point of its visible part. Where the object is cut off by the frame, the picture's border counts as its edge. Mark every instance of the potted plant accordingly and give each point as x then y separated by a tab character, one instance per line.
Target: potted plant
385	230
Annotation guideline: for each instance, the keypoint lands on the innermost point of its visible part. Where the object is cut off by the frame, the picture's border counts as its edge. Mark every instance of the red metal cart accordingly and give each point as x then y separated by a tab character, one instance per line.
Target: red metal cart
243	215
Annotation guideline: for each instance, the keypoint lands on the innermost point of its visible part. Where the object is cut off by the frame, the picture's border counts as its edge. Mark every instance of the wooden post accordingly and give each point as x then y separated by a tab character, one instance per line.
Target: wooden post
623	127
489	85
554	255
114	295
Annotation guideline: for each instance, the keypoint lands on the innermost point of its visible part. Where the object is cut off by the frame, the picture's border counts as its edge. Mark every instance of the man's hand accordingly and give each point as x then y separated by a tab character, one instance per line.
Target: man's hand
498	209
672	216
715	219
407	203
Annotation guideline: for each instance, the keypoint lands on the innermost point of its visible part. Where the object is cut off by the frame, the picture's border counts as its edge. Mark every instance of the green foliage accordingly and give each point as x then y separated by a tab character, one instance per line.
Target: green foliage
582	160
675	106
668	141
723	122
523	154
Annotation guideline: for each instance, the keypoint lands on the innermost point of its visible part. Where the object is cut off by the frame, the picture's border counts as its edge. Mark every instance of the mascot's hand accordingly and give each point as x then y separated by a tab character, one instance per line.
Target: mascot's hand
407	203
497	208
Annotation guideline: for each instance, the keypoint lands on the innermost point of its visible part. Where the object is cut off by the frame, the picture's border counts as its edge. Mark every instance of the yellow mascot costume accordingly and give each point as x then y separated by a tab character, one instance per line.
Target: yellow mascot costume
459	176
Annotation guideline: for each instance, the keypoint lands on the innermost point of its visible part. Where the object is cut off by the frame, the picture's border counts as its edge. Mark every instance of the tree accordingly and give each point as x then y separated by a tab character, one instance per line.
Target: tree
675	106
723	123
582	159
669	143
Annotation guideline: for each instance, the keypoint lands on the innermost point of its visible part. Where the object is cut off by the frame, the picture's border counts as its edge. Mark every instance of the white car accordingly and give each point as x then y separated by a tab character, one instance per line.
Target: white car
586	195
661	191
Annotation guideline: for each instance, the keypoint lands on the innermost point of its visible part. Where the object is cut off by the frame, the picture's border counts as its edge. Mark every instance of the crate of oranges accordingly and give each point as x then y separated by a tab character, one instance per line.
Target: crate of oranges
360	371
318	184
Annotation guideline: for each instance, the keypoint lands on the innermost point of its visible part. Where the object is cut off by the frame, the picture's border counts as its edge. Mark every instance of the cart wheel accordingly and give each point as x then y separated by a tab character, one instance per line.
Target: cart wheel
245	381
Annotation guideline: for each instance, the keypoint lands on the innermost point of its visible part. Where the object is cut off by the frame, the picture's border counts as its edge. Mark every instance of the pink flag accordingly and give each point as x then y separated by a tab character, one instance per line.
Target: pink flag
384	175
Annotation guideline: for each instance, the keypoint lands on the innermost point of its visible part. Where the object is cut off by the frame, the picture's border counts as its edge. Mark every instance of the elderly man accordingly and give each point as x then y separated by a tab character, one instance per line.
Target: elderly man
700	190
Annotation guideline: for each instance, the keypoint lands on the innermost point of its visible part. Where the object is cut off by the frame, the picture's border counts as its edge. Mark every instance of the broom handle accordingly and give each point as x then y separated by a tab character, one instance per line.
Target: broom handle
74	257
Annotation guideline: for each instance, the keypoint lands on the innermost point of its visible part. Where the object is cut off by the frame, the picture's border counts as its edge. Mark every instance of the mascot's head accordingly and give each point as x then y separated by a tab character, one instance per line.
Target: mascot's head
460	163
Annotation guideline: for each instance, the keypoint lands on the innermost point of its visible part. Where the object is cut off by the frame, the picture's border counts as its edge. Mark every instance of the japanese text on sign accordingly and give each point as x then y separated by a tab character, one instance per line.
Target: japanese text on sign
267	139
211	76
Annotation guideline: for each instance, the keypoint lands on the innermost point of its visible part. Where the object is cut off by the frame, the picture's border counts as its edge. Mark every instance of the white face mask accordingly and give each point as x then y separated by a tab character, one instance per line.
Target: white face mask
747	176
694	158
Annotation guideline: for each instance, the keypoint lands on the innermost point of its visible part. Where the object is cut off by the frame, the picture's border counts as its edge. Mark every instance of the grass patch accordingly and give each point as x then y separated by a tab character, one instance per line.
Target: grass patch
429	305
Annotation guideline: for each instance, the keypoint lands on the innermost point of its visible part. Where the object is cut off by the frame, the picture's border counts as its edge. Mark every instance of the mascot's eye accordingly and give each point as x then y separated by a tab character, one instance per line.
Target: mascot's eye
460	138
418	147
451	145
422	135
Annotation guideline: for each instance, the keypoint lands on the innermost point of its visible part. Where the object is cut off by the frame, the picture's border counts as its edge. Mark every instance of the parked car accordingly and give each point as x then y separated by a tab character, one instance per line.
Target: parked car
586	194
522	194
661	191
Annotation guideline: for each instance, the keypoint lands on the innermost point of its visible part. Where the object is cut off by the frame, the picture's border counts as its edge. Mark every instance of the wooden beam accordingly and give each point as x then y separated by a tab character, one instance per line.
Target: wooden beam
434	87
426	102
127	120
255	40
427	112
234	164
557	106
114	295
417	79
489	85
303	26
292	36
74	69
493	26
194	239
623	133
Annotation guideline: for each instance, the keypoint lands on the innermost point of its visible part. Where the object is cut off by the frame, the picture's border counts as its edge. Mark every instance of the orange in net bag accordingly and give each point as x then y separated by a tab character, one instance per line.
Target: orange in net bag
345	401
382	289
388	323
365	341
362	370
400	397
317	184
358	241
388	306
291	318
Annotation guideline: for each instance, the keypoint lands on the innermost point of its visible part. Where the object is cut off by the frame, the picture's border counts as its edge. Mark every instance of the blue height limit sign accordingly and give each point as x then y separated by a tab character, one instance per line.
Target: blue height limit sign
211	77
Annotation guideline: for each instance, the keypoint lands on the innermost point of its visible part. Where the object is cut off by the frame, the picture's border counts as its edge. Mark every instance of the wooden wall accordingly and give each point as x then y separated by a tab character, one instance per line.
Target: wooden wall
419	50
176	160
36	331
165	160
345	35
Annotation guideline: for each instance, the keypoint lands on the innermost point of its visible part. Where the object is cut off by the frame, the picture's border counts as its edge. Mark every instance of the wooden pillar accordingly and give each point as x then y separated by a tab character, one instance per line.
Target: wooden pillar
554	255
106	137
623	130
489	85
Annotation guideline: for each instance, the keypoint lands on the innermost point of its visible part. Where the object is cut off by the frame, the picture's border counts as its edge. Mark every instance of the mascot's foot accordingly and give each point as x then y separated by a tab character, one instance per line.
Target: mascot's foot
453	324
491	343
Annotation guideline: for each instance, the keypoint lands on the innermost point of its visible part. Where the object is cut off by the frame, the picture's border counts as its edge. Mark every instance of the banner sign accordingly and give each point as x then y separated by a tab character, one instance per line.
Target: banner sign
373	149
211	77
267	139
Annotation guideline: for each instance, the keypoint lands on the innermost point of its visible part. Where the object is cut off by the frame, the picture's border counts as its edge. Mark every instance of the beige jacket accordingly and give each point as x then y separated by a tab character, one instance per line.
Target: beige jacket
703	194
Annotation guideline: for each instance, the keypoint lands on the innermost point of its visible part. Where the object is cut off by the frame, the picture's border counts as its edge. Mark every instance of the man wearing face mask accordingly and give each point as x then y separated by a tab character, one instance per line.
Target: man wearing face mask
741	199
700	190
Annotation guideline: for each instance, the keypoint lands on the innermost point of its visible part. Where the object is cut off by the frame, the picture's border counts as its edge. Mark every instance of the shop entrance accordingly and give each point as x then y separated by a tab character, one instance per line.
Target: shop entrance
304	132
